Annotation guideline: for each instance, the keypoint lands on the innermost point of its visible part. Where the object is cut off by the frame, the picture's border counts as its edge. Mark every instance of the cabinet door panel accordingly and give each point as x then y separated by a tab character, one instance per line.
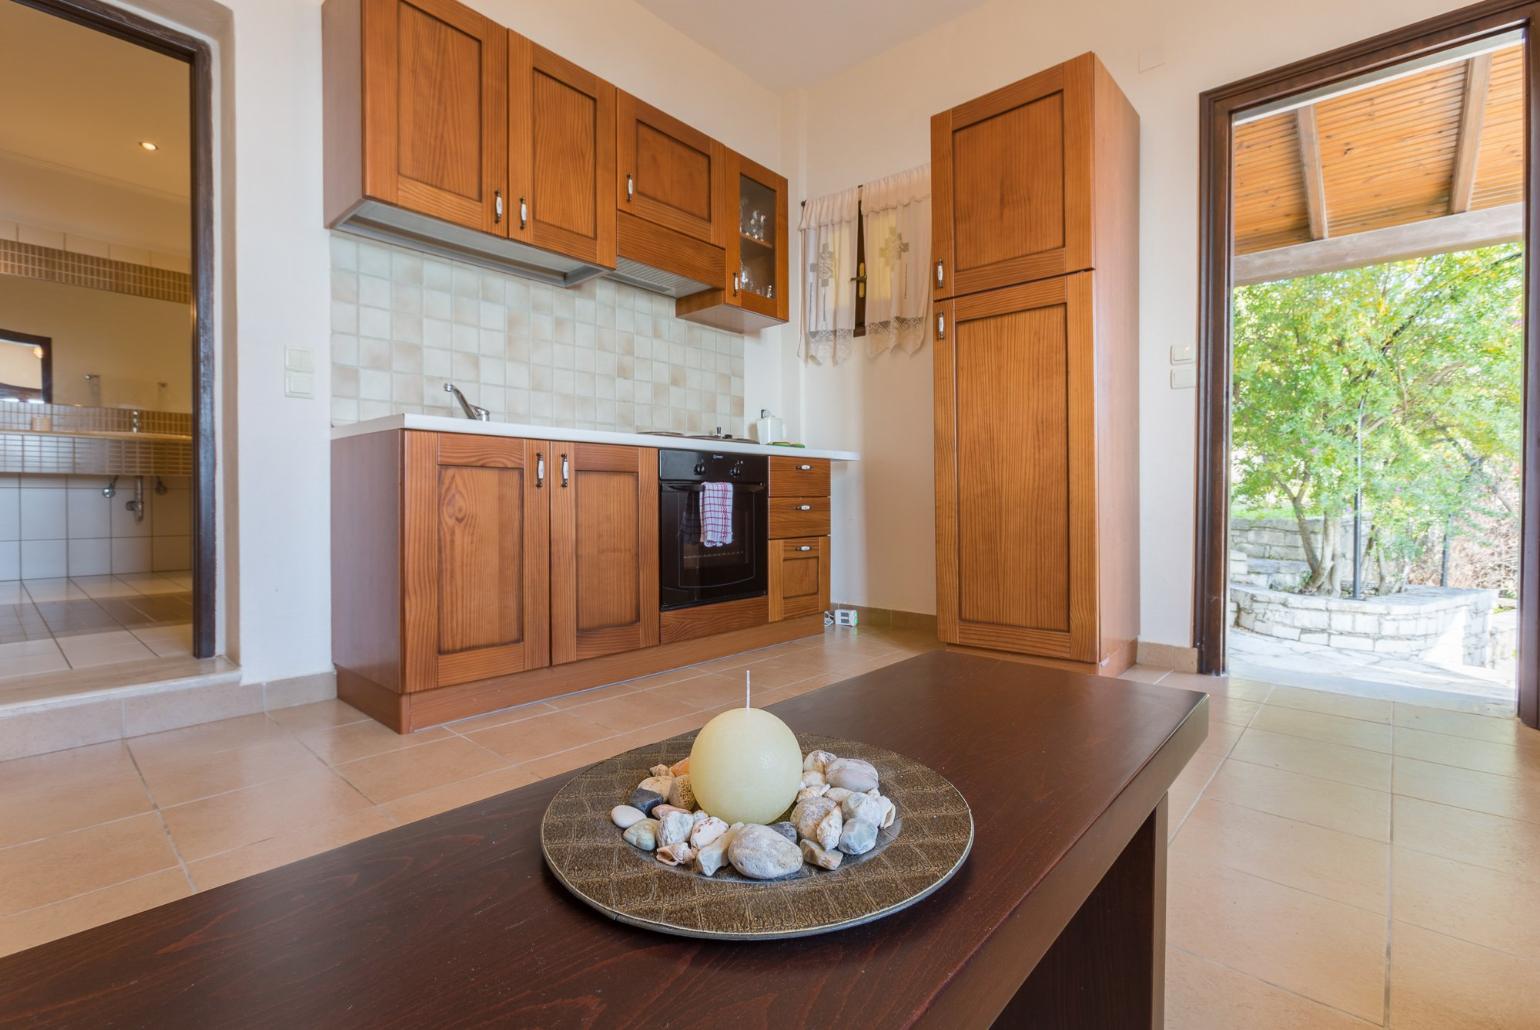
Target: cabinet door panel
475	529
562	133
669	173
799	577
435	110
757	253
604	550
1015	472
1011	175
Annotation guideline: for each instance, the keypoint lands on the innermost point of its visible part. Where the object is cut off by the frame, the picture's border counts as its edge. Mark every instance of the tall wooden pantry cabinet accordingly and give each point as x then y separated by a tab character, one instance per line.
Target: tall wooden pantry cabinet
1035	194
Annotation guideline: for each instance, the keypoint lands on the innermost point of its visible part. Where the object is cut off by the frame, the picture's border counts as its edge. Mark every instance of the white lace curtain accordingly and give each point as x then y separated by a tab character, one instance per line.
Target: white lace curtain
896	211
829	259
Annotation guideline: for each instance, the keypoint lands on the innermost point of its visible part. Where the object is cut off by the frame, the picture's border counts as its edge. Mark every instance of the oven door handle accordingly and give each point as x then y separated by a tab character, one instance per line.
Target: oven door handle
748	488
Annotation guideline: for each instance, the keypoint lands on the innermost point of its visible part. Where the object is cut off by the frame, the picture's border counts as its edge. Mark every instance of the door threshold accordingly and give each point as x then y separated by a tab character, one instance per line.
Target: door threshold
125	679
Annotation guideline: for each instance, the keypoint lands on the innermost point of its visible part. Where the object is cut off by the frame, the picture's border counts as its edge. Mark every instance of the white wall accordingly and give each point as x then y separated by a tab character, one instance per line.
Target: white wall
874	119
101	210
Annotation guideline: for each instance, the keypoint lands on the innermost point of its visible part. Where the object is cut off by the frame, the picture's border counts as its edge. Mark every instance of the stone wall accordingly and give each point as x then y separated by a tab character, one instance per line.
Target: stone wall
1443	624
1275	556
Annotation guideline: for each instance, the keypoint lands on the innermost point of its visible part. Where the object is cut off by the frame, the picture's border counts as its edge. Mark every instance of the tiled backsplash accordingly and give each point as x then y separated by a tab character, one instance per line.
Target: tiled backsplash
54	526
597	356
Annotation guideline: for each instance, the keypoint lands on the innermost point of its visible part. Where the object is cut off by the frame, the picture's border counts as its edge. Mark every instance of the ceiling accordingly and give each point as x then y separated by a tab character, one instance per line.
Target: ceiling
807	40
1386	154
82	99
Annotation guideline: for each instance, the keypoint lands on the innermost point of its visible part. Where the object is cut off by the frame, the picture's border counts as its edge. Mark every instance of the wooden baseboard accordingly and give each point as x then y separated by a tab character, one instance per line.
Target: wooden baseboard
1115	664
405	713
891	618
1168	656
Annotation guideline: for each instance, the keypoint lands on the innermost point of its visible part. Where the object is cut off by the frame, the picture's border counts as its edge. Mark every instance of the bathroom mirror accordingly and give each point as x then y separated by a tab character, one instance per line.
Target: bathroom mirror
26	368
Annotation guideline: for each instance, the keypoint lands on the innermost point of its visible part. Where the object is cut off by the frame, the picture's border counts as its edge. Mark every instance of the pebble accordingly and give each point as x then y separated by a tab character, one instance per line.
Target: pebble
816	761
666	809
707	830
812	854
645	801
818	820
658	770
674	828
852	774
625	817
643	835
837	794
658	784
878	809
858	837
786	829
712	857
760	853
817	790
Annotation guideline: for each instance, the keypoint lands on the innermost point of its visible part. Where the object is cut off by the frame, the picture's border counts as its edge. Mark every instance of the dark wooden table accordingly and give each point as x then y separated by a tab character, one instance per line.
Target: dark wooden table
1057	919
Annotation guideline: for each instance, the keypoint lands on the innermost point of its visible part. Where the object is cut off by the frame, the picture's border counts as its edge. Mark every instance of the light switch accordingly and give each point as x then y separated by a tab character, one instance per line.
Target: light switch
1181	352
1184	377
298	359
299	384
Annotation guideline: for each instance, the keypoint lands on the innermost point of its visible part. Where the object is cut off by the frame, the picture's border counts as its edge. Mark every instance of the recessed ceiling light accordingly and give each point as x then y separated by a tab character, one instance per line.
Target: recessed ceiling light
145	144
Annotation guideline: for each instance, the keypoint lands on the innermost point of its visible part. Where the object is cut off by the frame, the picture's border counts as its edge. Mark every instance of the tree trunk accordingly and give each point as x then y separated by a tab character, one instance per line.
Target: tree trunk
1306	538
1326	573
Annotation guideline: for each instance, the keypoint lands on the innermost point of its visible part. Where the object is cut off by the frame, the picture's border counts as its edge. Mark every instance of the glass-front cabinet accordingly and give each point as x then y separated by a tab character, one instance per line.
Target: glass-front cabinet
753	211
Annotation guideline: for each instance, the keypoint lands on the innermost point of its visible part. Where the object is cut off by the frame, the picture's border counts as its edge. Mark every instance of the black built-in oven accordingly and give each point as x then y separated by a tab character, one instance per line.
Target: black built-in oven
691	570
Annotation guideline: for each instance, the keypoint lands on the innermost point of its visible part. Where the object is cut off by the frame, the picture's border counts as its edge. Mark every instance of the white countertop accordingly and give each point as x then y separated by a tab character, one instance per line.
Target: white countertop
443	424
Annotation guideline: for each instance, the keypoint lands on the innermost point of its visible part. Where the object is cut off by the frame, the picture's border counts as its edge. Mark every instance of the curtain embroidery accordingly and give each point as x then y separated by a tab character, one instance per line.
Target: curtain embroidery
828	296
896	211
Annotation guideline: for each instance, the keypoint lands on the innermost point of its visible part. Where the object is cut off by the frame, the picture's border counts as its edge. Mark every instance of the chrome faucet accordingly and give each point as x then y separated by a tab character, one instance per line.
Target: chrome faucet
474	411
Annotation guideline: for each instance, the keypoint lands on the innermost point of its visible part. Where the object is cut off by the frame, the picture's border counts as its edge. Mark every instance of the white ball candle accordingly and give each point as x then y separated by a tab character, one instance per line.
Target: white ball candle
746	766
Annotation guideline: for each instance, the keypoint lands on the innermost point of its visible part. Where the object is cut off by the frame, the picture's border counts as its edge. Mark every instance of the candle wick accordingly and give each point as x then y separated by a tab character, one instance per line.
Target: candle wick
748	679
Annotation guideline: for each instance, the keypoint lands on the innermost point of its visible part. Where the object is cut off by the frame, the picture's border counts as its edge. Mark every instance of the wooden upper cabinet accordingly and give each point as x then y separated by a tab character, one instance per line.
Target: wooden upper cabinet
475	533
435	124
1012	181
669	173
604	549
1016	470
752	209
561	131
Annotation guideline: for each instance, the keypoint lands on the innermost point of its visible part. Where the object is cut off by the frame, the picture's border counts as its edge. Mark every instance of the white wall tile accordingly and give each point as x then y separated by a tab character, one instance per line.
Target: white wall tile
89	557
89	514
43	513
44	559
10	513
129	554
10	560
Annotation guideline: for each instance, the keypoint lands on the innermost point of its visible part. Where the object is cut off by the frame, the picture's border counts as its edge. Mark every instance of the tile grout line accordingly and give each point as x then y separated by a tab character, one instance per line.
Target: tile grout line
160	817
1390	897
1270	983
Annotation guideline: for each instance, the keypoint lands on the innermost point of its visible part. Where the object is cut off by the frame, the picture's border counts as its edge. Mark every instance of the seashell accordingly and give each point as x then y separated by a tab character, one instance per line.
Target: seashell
625	817
661	769
712	857
852	774
876	809
665	809
816	761
659	784
817	790
837	794
674	827
680	793
675	854
643	835
786	829
707	830
812	854
760	853
889	812
680	767
645	801
812	778
820	820
858	837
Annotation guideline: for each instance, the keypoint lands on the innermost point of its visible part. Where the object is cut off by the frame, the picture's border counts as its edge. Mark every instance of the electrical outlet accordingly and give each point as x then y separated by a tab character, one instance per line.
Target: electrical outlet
846	616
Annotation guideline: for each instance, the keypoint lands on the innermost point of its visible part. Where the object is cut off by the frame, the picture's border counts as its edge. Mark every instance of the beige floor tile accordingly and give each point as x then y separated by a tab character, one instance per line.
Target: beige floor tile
1314	757
227	821
1365	708
347	743
55	868
206	738
1322	949
167	641
1440	983
1221	737
1462	724
1336	806
1334	729
1235	711
23	930
88	649
176	779
1340	866
1505	845
1469	902
1467	753
503	716
395	774
1219	686
31	658
1466	788
287	846
1204	995
461	792
628	712
1145	674
540	735
581	757
709	690
94	763
1188	786
299	718
67	790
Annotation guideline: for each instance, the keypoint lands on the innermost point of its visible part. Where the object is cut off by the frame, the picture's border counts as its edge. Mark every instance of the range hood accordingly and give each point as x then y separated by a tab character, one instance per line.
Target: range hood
390	224
651	257
656	280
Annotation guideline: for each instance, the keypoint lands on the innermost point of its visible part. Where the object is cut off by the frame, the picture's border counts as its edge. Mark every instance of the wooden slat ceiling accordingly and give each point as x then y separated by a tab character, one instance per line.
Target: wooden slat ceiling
1387	156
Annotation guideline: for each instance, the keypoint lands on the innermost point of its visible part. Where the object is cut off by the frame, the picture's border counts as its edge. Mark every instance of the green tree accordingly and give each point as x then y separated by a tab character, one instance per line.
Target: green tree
1427	352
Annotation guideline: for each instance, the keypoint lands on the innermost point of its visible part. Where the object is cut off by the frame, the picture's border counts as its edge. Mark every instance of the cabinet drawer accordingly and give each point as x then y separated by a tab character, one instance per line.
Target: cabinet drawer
799	477
798	516
799	577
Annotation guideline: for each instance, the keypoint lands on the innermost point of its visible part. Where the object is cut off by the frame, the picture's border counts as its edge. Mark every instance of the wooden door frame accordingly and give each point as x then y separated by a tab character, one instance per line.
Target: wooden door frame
152	35
1217	108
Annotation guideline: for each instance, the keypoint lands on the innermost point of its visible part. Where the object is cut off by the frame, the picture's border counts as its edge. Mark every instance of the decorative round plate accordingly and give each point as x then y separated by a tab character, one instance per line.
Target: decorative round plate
926	844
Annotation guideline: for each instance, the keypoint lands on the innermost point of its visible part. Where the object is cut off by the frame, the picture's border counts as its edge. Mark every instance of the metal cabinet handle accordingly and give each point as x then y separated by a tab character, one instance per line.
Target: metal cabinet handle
523	213
630	187
940	273
539	470
940	327
804	507
566	471
736	277
805	547
497	206
804	468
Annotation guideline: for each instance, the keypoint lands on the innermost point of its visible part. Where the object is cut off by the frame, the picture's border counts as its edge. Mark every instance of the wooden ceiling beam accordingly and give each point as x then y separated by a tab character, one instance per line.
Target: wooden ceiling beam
1464	231
1310	164
1473	112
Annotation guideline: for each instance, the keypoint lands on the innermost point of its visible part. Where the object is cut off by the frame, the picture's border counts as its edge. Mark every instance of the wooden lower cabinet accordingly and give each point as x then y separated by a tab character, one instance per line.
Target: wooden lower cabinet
799	577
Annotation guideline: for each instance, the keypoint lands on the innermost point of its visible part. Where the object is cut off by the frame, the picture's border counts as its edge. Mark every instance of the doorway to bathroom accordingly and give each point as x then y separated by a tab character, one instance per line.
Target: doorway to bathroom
107	453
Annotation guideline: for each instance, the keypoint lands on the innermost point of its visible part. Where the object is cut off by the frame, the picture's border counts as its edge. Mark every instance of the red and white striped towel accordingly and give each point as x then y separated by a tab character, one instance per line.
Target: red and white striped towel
716	514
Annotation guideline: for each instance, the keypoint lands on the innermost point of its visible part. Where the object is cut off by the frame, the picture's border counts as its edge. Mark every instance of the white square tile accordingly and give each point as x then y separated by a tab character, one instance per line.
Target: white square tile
88	514
43	559
131	554
170	553
90	557
43	513
10	560
124	524
10	513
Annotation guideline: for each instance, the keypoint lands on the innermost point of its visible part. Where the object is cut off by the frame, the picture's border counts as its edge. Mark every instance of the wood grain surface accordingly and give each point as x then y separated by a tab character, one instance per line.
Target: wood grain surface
454	920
